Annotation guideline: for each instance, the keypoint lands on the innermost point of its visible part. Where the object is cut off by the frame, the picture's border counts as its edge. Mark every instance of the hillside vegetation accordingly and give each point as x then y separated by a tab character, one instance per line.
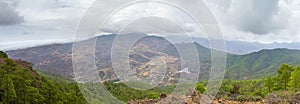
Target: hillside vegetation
20	84
282	88
259	64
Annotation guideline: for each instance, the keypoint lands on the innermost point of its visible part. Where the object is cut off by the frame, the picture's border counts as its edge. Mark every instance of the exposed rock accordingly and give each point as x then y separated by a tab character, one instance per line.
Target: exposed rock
162	96
24	64
173	99
273	99
295	99
194	98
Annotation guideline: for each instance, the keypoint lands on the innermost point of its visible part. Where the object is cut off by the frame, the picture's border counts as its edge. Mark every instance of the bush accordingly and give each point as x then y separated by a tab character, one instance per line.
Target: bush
3	55
255	98
200	88
241	98
153	95
259	93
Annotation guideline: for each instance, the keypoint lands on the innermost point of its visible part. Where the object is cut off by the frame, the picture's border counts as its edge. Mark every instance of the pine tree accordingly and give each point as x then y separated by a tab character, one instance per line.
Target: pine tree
284	73
295	79
9	90
3	55
10	66
22	81
33	95
269	84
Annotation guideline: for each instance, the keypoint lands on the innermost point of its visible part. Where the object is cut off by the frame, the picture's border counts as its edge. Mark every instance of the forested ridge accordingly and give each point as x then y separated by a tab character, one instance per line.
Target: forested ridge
20	84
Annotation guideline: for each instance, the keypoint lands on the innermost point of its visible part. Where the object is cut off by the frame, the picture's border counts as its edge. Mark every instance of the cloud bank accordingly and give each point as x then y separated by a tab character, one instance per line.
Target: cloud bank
264	21
8	15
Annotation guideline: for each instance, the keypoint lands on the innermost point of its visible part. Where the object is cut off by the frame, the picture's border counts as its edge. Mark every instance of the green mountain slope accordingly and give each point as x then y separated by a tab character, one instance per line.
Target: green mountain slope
260	64
20	84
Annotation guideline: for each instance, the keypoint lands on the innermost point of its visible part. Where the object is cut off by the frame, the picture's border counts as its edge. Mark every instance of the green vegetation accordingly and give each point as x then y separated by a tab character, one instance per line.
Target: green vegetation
200	88
295	80
259	64
242	90
285	73
252	90
3	55
124	93
285	85
22	85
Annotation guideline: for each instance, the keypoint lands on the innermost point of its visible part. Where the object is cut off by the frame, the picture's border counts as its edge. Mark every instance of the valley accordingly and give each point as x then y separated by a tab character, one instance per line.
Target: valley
57	59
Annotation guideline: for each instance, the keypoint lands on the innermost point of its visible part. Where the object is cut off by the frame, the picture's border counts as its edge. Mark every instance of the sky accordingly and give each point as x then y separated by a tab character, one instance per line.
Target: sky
26	23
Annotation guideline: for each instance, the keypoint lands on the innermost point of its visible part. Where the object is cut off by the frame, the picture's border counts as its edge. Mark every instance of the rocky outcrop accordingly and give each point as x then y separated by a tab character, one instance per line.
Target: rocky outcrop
285	97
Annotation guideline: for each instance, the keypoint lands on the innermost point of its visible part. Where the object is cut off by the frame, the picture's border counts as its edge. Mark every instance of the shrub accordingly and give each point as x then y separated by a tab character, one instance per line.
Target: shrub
3	55
241	98
255	98
200	88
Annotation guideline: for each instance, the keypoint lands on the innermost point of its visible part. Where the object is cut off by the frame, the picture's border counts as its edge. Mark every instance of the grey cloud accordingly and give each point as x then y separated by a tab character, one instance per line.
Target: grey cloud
259	17
9	16
255	16
147	25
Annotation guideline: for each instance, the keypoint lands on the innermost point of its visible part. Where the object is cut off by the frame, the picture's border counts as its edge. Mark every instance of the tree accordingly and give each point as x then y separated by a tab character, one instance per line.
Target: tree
10	66
9	90
50	91
200	88
295	79
3	55
284	73
33	95
25	90
269	84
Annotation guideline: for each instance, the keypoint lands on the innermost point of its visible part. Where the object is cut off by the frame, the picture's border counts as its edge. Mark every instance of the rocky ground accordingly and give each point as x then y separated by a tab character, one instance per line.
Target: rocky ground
194	98
274	98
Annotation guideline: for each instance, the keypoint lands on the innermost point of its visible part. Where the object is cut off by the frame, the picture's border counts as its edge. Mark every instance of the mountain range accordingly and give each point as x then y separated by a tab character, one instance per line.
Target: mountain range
236	46
57	59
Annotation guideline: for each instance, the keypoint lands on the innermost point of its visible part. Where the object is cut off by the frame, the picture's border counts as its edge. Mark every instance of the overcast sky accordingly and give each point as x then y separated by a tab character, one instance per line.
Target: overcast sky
26	23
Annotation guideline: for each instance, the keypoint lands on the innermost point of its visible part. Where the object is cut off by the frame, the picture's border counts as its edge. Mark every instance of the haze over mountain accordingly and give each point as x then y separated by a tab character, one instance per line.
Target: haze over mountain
57	58
233	47
239	47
